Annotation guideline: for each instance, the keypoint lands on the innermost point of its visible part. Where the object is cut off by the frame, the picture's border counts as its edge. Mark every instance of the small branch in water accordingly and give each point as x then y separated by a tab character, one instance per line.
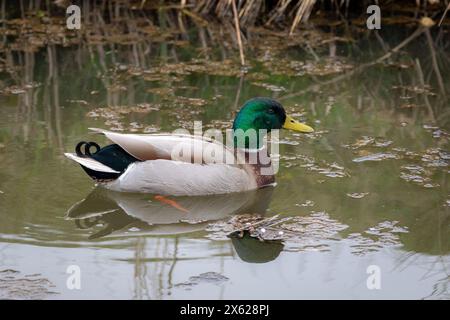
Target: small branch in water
422	83
434	62
399	46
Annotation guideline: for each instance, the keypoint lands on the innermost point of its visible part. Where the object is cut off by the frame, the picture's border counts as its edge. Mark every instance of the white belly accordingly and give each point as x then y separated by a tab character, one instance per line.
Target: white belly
182	178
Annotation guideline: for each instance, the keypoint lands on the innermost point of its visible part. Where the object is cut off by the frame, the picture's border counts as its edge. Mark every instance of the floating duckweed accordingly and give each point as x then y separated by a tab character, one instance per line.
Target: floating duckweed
418	90
17	90
357	195
367	141
14	285
307	203
161	91
185	101
311	232
115	117
268	86
289	67
207	277
384	234
377	157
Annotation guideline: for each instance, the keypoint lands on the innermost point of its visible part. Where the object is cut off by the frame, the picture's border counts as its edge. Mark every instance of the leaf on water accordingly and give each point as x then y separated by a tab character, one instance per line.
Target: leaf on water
186	101
117	112
426	165
298	233
134	126
115	117
206	277
307	203
14	285
367	141
307	233
227	67
327	67
437	132
418	90
384	234
311	233
270	87
164	91
377	157
435	157
399	65
289	67
151	129
257	76
331	170
16	90
357	195
219	124
83	102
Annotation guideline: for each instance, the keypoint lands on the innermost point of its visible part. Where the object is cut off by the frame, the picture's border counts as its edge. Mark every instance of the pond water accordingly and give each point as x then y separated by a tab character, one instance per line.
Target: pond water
369	189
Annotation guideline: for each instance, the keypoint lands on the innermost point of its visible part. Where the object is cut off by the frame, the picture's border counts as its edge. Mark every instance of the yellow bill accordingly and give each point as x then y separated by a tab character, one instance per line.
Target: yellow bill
292	124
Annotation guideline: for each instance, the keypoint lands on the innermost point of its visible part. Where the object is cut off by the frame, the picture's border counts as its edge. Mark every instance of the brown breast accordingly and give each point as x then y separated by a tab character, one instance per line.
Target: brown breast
259	165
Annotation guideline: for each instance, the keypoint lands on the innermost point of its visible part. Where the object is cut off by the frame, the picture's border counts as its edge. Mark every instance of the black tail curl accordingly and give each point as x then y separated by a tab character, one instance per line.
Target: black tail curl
112	156
87	148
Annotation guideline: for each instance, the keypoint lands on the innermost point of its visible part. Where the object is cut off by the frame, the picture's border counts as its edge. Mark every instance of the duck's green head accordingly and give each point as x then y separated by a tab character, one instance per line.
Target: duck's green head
263	114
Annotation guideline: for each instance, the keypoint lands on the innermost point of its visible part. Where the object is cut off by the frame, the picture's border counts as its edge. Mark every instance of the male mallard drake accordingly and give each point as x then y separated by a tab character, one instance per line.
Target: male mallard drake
157	163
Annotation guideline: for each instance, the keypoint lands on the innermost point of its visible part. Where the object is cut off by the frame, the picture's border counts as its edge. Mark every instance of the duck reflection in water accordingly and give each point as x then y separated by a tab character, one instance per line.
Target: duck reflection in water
156	215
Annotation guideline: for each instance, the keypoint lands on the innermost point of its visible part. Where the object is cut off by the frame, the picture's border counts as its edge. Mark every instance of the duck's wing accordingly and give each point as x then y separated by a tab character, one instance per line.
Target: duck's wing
170	177
186	148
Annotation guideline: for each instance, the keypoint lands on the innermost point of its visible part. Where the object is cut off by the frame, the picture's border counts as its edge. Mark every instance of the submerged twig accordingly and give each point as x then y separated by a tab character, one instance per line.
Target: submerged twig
434	62
422	83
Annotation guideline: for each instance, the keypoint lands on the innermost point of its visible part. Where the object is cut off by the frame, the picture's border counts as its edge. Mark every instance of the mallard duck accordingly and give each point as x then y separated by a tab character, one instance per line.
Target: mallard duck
157	163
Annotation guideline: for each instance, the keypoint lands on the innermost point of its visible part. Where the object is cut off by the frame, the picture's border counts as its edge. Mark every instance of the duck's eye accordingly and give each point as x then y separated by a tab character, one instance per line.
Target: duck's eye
271	111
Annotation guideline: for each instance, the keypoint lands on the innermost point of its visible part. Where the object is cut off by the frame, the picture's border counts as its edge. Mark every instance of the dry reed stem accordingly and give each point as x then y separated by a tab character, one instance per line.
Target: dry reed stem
443	16
303	11
278	11
238	32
